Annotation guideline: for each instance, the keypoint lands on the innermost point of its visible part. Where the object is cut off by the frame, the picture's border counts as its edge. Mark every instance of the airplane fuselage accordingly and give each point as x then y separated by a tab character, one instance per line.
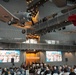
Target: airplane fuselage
23	15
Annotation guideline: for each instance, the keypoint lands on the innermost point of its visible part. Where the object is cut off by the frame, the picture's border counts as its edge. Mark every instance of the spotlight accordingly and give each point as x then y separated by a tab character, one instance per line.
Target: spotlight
59	29
64	28
23	31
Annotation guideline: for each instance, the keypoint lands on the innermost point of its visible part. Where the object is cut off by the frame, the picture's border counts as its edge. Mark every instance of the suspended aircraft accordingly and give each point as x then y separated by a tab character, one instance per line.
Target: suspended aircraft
19	19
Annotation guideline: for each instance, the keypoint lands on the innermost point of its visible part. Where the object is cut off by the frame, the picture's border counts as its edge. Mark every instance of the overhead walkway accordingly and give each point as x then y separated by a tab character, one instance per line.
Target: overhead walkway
51	24
39	46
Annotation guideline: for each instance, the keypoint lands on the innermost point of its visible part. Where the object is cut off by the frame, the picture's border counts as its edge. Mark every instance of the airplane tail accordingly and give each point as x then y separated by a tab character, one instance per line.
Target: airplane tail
74	22
36	18
32	21
72	18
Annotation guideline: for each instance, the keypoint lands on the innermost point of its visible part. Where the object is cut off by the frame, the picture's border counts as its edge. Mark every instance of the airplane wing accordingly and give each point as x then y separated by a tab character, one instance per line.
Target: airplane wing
68	8
5	15
60	3
27	25
51	16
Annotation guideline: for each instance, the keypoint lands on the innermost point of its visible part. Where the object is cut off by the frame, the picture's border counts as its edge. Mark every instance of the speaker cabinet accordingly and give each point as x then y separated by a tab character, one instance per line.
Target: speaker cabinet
12	60
66	59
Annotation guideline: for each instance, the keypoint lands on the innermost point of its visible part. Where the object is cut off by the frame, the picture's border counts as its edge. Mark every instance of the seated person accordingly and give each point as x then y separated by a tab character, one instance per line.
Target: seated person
72	72
47	71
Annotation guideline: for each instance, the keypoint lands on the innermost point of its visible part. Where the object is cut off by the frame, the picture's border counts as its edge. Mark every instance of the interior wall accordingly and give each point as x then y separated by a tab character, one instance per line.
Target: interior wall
69	55
16	64
32	57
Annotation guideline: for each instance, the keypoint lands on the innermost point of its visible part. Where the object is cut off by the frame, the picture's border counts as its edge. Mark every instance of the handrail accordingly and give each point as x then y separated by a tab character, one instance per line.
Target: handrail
39	46
52	22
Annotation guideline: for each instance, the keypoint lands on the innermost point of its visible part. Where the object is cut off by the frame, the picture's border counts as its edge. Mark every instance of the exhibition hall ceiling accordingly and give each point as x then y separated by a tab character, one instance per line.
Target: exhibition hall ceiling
12	34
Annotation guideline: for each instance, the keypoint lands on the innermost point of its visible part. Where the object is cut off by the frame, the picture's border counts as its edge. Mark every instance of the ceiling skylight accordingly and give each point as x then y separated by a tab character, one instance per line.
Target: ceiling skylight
52	41
32	41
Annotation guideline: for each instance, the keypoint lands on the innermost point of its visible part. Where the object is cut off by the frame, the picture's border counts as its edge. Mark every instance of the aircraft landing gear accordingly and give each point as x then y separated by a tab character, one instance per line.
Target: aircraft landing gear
12	21
9	23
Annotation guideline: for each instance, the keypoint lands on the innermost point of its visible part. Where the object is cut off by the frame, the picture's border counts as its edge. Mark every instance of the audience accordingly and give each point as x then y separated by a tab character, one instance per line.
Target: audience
72	72
55	70
75	69
39	69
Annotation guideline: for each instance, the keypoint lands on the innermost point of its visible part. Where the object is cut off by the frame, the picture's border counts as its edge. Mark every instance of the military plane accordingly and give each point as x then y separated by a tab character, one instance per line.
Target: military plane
19	19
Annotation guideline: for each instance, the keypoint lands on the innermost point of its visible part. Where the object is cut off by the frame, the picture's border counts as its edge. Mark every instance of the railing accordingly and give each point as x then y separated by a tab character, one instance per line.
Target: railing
52	22
40	46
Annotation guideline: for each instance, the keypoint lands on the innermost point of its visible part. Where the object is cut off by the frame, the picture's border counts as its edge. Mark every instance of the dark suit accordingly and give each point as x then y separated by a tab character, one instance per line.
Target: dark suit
72	73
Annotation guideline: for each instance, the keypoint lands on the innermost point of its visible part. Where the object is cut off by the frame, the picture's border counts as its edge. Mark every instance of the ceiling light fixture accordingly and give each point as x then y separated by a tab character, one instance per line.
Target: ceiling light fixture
17	38
64	28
